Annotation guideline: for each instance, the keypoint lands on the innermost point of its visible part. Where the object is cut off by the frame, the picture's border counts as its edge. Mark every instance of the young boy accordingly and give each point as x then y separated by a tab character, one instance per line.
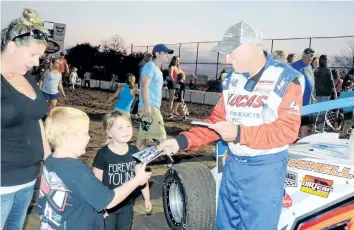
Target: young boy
71	197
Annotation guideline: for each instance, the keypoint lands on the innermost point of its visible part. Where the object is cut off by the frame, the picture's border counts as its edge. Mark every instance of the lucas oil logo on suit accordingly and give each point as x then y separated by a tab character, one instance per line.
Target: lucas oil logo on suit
244	101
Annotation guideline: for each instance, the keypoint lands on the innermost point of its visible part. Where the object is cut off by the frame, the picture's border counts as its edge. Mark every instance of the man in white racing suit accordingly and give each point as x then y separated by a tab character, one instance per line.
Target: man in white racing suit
258	115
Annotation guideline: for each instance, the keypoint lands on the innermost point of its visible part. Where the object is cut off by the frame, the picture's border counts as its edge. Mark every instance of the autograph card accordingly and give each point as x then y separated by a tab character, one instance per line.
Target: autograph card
147	155
201	123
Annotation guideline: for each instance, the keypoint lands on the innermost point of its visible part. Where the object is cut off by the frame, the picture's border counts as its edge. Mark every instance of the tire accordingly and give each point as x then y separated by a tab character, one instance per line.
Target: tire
192	188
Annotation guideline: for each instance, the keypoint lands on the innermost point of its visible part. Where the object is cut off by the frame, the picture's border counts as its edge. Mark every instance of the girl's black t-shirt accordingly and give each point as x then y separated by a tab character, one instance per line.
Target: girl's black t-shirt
117	169
21	139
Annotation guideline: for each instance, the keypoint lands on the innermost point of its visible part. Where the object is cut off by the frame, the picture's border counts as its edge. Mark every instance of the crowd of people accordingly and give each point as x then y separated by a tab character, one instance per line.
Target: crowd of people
72	196
322	84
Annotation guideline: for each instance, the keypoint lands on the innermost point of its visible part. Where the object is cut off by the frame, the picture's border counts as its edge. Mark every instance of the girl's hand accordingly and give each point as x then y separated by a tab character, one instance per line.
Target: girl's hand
148	206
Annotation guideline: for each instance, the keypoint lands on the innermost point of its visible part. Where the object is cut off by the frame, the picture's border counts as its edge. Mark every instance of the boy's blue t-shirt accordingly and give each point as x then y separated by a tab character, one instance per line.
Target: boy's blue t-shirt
306	70
70	196
155	88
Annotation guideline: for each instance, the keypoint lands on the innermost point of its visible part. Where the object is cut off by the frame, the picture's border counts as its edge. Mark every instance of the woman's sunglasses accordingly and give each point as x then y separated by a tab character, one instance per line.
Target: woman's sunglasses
36	34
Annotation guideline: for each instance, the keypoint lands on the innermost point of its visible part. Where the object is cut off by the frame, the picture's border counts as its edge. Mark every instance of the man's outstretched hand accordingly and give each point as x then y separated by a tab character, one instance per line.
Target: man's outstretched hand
169	147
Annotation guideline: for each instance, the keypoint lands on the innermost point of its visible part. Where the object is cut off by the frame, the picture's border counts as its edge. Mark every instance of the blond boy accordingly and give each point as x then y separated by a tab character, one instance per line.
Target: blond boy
71	197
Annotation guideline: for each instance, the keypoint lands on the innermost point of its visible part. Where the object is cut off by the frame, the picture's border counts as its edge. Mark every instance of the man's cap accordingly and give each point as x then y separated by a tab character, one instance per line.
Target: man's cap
161	48
309	51
236	35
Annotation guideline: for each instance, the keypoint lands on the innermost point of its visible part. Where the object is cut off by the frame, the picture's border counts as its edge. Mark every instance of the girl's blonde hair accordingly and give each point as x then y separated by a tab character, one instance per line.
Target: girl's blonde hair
29	20
110	117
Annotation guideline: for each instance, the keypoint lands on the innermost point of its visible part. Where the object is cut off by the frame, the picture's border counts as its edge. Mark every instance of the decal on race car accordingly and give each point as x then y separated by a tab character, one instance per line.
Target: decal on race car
287	201
332	170
316	186
291	179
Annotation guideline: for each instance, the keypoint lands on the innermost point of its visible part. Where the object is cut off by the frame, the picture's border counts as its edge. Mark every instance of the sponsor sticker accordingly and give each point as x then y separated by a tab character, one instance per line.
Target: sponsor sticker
287	201
262	90
316	186
317	167
281	85
233	82
265	82
291	179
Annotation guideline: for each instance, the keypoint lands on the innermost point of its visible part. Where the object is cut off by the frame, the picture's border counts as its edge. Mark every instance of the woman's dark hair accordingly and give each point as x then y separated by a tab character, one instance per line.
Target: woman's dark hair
173	61
335	74
129	75
147	58
323	60
290	58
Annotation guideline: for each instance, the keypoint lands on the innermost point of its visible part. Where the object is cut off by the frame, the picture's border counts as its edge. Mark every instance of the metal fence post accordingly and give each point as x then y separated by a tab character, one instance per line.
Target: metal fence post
179	50
271	48
147	49
196	61
131	48
310	42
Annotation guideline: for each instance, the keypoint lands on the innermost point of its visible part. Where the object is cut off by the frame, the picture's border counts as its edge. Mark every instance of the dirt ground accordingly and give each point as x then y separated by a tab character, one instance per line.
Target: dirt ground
92	102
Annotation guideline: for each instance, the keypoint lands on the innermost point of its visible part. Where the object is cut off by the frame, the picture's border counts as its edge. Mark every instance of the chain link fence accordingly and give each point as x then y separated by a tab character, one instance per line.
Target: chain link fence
197	57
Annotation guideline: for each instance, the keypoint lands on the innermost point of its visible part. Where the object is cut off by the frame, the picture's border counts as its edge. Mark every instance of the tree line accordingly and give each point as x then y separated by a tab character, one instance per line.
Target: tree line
104	60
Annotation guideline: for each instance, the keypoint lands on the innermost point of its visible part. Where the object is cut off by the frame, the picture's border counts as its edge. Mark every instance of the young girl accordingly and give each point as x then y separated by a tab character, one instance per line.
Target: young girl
73	78
125	95
114	166
179	96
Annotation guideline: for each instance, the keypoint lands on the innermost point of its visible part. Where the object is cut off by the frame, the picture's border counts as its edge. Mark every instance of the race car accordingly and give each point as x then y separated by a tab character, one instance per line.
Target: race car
318	191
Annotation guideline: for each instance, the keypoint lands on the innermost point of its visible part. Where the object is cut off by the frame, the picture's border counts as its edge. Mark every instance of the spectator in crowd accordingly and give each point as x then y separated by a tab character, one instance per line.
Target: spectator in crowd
314	63
46	62
64	68
87	78
51	84
304	67
113	82
23	142
279	55
125	96
179	96
348	112
324	87
338	83
174	70
151	83
73	78
222	73
348	77
342	74
291	58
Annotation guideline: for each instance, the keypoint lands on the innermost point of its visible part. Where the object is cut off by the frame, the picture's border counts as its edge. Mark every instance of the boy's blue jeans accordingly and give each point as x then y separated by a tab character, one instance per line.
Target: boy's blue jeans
251	192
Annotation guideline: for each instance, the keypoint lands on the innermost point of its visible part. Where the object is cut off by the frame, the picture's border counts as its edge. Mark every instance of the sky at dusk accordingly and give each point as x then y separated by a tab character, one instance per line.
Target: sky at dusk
147	23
